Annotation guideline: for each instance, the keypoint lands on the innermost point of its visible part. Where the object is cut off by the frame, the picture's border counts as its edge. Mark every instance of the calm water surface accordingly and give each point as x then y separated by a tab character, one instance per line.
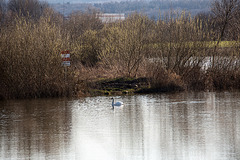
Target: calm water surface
183	126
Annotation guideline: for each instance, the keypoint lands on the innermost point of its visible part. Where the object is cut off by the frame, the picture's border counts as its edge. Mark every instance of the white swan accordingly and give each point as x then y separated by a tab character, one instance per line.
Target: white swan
118	104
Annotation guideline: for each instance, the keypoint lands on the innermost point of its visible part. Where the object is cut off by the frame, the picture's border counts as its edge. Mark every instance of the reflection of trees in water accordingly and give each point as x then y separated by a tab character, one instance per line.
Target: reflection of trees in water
205	128
183	125
34	126
226	123
169	126
187	126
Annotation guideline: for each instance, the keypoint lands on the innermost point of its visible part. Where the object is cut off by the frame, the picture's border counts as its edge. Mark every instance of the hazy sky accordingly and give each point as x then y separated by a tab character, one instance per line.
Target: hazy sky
79	1
86	1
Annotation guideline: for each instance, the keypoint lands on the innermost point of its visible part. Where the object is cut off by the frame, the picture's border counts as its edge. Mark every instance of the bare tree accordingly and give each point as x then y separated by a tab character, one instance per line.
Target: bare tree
3	9
224	12
27	8
125	44
80	22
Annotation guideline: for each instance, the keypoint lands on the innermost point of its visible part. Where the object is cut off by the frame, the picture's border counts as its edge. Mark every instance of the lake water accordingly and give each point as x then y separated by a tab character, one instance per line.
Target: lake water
181	126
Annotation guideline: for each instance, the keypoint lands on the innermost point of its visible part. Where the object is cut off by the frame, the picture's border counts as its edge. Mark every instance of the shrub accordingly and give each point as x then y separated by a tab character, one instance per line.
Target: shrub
30	60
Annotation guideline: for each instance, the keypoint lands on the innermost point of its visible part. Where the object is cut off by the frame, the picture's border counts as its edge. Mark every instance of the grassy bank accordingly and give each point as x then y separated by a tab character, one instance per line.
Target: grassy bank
155	79
118	86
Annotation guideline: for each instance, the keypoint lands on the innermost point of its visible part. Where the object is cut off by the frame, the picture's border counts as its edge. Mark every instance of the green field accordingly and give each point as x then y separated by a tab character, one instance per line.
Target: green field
222	44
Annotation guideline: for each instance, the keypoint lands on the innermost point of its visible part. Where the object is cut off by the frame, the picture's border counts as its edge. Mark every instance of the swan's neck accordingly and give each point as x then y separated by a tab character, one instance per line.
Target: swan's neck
112	102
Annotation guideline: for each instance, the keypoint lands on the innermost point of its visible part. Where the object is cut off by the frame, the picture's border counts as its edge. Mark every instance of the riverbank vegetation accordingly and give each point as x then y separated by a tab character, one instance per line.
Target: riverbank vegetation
175	53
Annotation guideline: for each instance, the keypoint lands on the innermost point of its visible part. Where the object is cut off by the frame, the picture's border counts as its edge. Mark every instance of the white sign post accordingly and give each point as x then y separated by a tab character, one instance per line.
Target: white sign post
65	58
65	62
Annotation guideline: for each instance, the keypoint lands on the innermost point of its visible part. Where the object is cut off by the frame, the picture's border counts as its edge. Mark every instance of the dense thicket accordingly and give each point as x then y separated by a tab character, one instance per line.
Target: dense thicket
177	52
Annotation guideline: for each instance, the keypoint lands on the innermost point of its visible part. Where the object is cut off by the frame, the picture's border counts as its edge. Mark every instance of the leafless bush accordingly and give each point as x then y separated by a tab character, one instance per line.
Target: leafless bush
79	22
83	32
181	43
126	44
164	80
223	21
30	60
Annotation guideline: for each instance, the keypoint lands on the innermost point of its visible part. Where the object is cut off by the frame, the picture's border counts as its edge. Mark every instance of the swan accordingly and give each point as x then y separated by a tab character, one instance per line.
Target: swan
118	104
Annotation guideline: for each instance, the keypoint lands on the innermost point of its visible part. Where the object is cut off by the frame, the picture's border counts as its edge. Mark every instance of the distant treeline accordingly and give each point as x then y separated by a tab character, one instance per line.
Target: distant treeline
150	8
176	52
